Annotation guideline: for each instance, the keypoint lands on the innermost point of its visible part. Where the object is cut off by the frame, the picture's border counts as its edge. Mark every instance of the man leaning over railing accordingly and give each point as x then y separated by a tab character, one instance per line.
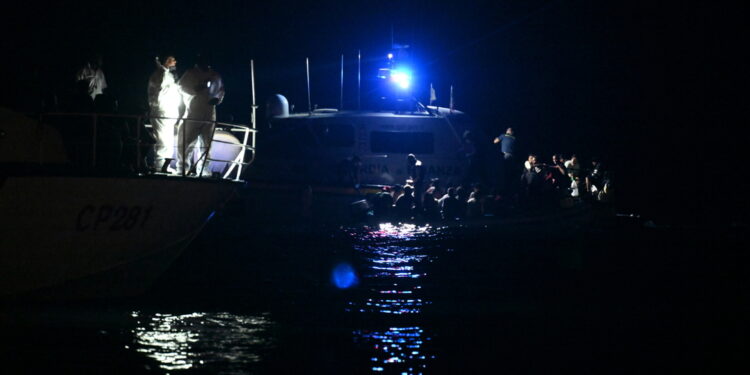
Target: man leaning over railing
202	91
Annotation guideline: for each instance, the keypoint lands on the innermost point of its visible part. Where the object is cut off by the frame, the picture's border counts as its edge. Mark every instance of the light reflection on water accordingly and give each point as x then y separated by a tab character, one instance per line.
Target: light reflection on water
187	341
395	260
397	349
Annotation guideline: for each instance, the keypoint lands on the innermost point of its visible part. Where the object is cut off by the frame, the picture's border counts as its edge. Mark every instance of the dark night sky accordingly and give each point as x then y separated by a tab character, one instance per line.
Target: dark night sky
652	88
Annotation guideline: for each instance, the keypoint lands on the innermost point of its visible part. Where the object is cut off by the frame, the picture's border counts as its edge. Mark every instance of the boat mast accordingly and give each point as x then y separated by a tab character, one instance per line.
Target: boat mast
252	89
309	102
451	103
359	78
341	97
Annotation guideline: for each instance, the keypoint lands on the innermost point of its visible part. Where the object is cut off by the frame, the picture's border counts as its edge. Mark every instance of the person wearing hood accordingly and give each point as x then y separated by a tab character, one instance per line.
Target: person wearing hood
91	75
202	91
164	98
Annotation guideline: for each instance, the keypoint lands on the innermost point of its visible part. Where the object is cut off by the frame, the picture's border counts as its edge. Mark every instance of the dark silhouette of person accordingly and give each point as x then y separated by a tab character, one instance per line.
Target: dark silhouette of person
507	165
382	203
405	204
415	171
430	208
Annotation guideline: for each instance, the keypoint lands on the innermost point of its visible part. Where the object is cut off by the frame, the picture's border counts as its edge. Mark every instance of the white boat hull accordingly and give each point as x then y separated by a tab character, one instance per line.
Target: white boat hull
59	230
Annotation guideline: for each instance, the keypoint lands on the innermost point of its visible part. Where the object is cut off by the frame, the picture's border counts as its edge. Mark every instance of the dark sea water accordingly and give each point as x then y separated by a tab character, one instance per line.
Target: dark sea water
410	299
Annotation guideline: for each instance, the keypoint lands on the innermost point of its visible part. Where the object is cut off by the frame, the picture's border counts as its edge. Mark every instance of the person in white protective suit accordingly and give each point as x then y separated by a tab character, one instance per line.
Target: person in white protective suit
202	91
92	73
165	98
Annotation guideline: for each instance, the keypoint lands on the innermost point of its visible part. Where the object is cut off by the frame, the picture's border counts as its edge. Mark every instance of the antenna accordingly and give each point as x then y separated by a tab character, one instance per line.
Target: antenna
255	108
341	100
252	89
451	98
359	78
309	102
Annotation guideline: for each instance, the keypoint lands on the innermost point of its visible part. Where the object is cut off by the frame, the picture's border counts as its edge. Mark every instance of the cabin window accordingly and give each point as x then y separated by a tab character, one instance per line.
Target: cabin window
402	143
284	142
334	135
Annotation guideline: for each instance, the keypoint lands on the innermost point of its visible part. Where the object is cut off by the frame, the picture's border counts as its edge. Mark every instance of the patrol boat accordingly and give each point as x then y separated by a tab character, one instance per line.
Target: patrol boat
322	166
317	163
74	226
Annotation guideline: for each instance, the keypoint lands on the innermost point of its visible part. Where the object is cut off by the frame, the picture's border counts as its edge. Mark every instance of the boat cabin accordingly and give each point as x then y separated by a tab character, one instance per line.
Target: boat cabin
339	148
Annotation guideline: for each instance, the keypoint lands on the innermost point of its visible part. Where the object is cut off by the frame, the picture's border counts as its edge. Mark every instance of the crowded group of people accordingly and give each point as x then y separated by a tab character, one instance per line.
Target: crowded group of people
531	184
182	109
562	178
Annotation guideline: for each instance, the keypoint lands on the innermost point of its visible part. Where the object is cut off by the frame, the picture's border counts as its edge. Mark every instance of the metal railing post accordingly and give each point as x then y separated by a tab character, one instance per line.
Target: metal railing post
208	149
252	123
41	129
241	157
138	144
93	141
184	146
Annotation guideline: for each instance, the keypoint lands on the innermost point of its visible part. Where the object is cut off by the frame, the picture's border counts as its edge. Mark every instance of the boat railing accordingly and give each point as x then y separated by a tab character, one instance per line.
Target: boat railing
85	144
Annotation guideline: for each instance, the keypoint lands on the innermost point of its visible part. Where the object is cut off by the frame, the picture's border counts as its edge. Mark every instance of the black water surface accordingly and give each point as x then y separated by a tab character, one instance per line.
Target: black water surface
411	299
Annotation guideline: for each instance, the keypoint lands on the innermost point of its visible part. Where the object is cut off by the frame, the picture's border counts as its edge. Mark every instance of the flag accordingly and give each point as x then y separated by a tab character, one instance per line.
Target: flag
433	97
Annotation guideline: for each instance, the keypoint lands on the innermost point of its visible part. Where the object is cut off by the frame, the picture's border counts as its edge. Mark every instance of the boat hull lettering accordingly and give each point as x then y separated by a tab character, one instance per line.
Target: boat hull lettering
66	228
113	218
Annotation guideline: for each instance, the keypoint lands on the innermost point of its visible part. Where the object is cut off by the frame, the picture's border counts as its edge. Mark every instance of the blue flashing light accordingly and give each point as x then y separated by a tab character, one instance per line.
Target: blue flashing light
343	276
390	56
402	78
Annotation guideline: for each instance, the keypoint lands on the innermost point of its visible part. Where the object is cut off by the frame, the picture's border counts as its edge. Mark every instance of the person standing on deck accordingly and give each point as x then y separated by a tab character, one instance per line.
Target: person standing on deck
164	98
507	143
202	90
